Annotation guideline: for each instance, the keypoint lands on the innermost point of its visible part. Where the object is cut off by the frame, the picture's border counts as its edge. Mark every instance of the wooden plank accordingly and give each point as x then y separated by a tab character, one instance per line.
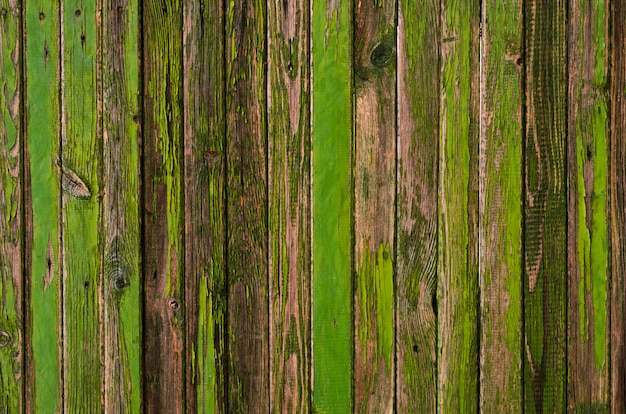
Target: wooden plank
545	222
247	242
289	181
163	196
419	36
458	209
122	282
587	162
332	212
205	225
500	204
42	203
617	203
12	373
374	198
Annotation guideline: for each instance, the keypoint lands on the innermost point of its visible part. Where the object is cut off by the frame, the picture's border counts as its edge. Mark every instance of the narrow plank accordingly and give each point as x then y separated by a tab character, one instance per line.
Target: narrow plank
247	242
458	285
587	162
162	129
205	219
11	236
545	215
332	205
120	244
419	36
289	181
500	205
374	197
42	202
617	203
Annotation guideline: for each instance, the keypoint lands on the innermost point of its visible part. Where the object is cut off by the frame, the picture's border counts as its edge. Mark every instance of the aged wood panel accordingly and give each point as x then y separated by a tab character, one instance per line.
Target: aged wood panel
12	370
205	219
419	35
121	273
42	201
247	241
164	306
289	227
587	255
374	198
545	207
332	210
457	296
500	205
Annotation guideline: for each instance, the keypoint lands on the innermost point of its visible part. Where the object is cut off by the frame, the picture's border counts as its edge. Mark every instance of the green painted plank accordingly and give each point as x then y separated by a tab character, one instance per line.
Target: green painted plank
121	236
11	209
332	212
545	209
42	202
289	158
247	241
419	36
457	295
205	218
163	198
588	374
80	206
501	207
374	198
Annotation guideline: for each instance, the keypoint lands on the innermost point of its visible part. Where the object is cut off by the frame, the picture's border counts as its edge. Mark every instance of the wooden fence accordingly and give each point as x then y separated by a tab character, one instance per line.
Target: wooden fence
313	206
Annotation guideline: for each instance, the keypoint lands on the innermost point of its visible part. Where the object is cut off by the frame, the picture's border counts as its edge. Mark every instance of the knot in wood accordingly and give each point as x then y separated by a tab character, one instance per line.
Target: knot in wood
4	339
174	305
382	55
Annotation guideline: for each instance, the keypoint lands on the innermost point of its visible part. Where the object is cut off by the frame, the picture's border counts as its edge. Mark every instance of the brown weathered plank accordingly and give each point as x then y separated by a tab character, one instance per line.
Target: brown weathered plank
164	381
545	222
587	161
374	210
289	227
205	266
246	153
419	34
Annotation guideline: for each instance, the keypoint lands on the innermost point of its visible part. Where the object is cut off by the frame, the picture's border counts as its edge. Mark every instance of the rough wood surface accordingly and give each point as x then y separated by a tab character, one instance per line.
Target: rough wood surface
289	229
164	305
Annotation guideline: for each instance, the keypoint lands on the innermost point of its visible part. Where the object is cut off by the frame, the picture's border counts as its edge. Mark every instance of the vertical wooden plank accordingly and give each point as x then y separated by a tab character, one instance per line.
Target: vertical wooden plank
120	114
458	209
500	205
587	162
11	209
42	202
164	381
419	36
374	198
289	181
617	203
205	266
247	242
332	212
79	168
545	216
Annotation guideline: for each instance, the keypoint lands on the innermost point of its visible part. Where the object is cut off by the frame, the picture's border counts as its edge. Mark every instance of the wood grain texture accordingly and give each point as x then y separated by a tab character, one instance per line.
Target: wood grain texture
617	204
122	282
374	209
164	309
12	368
205	218
457	297
289	227
247	242
545	209
419	34
42	203
587	162
500	163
